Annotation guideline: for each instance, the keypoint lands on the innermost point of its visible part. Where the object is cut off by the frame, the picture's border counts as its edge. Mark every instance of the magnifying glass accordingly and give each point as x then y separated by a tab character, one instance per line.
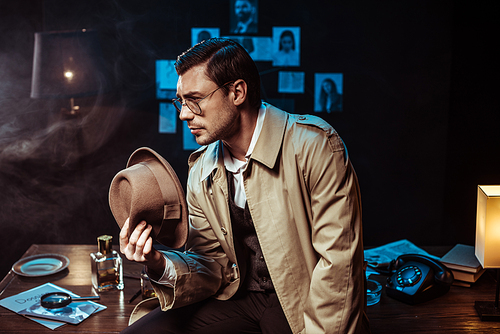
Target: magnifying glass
61	299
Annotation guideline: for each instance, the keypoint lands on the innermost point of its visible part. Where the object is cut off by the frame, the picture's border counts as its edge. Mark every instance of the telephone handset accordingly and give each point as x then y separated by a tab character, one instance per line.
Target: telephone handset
418	278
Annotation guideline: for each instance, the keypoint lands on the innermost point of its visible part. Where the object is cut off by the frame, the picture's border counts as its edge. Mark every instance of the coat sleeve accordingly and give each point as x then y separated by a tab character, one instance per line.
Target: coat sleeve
200	269
336	299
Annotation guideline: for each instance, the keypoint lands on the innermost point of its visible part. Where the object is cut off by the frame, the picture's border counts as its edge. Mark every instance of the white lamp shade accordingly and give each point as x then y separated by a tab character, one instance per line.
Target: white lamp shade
488	226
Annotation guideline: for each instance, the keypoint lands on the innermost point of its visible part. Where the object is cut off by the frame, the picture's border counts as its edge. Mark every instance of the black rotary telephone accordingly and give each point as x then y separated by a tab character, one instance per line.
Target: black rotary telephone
418	278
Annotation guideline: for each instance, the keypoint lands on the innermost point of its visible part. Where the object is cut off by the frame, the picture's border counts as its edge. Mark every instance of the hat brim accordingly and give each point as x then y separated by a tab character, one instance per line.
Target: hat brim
172	233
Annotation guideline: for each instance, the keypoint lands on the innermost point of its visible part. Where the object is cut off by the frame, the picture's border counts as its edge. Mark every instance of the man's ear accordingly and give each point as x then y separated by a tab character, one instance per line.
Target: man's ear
240	92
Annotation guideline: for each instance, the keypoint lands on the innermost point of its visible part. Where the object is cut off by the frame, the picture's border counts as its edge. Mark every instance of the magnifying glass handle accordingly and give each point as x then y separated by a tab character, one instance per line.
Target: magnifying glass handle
86	298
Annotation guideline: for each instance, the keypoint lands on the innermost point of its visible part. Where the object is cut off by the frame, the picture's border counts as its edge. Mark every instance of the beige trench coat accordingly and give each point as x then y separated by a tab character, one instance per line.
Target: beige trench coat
304	200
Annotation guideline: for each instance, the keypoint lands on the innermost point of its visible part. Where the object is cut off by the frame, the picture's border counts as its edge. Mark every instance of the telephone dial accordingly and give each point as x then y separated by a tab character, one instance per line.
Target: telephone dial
418	278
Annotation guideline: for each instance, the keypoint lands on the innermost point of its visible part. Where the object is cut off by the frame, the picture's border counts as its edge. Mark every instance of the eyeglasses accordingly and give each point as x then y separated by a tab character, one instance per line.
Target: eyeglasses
193	104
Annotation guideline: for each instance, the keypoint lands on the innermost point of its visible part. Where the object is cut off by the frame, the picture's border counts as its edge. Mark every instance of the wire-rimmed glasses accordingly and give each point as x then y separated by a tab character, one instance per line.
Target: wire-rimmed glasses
193	104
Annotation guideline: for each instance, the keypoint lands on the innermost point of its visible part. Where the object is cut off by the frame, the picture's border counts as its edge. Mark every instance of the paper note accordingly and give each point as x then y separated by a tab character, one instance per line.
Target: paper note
30	298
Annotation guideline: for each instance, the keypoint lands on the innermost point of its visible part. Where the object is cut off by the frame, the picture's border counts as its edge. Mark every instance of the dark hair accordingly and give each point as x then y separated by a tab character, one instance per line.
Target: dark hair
253	3
289	34
226	61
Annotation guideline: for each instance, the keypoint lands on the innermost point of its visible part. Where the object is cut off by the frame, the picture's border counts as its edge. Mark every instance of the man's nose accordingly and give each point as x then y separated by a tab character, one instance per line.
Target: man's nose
186	113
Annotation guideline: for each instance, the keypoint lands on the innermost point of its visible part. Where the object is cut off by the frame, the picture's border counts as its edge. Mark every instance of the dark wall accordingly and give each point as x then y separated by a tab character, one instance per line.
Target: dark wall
419	119
473	144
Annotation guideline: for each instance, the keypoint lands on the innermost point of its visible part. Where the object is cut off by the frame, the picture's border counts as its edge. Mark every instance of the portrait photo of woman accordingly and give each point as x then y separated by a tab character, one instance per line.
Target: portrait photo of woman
328	87
287	50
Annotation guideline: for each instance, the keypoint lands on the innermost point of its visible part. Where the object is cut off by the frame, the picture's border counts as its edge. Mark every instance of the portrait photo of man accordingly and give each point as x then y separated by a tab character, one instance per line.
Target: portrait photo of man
244	16
202	34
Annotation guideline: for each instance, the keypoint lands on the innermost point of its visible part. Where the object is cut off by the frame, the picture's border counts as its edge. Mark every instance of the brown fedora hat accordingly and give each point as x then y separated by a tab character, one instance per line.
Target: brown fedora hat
149	189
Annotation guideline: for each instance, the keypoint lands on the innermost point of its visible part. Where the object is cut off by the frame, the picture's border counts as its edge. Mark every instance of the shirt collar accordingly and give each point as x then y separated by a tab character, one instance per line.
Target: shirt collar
266	149
242	27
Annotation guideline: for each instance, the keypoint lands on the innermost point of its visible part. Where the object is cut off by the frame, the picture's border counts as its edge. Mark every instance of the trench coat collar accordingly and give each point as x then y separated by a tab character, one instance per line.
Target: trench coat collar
266	150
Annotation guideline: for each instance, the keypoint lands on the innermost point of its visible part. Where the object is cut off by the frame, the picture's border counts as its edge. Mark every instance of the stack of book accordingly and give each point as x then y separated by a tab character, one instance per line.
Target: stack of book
462	261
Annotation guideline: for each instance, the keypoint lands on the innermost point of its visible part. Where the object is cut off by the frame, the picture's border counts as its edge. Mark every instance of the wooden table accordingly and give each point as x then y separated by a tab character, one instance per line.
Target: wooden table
451	313
76	278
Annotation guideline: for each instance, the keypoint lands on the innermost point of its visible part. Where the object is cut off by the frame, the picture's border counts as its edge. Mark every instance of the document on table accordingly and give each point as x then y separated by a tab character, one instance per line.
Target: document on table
28	300
383	255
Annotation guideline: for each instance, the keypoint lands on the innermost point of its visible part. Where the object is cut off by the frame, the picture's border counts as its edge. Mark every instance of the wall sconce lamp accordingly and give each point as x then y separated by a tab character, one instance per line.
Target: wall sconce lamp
66	65
488	244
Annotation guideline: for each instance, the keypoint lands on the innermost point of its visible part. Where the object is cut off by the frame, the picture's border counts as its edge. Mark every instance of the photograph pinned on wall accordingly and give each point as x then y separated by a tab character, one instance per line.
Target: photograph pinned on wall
168	118
328	92
286	46
202	34
259	48
188	139
291	82
244	16
166	79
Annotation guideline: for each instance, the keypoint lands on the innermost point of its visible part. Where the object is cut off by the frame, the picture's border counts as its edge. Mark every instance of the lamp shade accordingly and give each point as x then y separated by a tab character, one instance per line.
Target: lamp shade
67	64
488	226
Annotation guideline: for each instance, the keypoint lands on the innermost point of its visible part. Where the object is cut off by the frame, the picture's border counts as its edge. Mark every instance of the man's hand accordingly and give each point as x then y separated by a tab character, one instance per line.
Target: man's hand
139	247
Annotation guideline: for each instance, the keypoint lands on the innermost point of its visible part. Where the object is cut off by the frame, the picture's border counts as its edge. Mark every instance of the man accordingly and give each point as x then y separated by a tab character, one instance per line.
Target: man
245	19
275	240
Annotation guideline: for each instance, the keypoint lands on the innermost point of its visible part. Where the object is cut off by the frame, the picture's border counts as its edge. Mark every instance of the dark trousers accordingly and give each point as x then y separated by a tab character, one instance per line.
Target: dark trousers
249	312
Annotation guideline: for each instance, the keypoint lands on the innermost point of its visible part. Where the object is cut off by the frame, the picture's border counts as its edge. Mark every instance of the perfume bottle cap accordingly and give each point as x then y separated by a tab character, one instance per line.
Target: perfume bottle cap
104	243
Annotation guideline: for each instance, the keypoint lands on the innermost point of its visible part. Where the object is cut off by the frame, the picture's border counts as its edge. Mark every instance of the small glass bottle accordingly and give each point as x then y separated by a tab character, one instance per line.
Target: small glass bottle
107	268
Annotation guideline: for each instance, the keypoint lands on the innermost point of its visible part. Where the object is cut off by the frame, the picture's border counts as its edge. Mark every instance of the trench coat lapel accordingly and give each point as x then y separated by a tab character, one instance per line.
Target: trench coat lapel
269	143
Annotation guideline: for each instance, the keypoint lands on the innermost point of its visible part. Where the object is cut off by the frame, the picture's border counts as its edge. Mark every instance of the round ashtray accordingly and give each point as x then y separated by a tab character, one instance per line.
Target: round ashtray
373	291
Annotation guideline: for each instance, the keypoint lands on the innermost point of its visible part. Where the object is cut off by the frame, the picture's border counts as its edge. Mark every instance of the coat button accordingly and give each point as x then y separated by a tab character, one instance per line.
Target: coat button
264	279
223	229
261	258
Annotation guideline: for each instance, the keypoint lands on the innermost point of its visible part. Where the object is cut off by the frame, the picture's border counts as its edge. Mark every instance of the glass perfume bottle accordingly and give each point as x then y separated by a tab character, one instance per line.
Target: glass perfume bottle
107	269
